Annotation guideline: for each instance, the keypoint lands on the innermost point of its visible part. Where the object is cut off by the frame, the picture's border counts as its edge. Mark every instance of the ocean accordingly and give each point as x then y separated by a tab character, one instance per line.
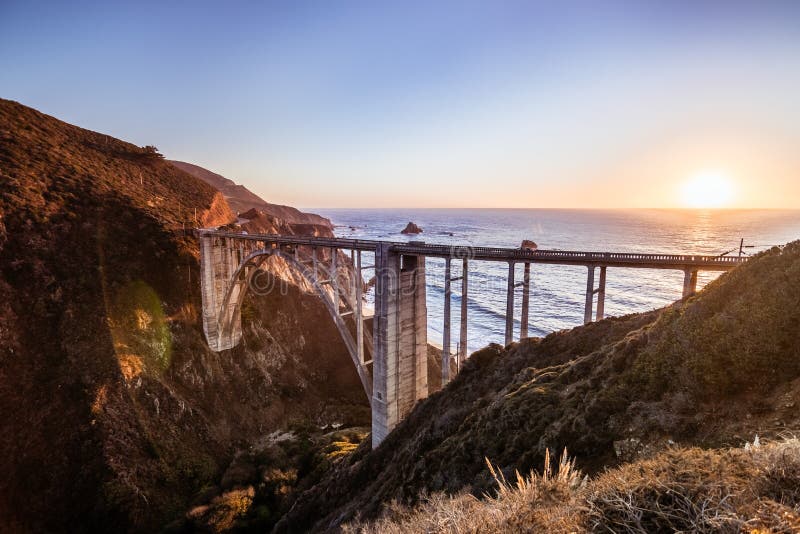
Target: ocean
558	292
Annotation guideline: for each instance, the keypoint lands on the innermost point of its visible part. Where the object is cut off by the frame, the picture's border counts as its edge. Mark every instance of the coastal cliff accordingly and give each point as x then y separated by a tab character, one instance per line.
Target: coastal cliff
117	417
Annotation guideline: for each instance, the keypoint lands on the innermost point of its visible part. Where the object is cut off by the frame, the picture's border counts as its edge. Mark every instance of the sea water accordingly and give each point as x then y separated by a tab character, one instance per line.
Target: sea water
558	291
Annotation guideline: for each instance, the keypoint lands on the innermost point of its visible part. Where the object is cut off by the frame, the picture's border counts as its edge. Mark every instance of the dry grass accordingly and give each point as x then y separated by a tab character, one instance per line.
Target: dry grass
681	490
534	503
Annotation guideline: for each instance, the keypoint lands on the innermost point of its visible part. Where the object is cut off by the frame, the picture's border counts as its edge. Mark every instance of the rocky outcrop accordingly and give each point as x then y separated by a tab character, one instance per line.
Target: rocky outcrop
411	228
256	221
242	199
217	213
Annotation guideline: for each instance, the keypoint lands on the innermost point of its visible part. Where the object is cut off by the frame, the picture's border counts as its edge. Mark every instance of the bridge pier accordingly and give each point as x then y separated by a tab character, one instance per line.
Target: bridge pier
689	282
219	260
587	310
526	286
601	294
400	362
359	298
314	261
462	347
591	292
510	304
446	326
446	332
335	279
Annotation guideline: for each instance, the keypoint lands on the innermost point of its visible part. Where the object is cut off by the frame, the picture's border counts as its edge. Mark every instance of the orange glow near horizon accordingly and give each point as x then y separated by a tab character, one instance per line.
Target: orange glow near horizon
708	189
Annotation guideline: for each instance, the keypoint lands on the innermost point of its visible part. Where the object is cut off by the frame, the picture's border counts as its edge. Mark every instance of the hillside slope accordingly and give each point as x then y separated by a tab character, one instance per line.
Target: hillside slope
712	371
755	488
241	199
115	412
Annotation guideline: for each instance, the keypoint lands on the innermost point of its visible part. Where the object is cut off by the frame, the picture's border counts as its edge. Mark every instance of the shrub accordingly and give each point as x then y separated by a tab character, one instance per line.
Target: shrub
152	152
538	502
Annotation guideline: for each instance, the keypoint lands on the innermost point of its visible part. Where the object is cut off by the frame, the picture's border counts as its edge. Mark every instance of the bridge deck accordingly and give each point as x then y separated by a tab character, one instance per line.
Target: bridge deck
559	257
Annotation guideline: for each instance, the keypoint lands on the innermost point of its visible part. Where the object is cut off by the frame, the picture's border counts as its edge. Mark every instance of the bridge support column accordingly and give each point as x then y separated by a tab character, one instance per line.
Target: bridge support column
357	283
689	282
587	311
400	359
446	326
314	261
601	294
335	279
221	322
462	343
510	304
526	287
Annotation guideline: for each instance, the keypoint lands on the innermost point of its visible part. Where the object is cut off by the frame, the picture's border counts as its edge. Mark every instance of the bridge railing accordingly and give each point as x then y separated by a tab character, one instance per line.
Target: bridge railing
497	253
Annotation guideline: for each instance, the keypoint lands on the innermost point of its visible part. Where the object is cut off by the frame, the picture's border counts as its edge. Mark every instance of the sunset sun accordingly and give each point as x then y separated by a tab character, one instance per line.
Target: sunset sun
707	189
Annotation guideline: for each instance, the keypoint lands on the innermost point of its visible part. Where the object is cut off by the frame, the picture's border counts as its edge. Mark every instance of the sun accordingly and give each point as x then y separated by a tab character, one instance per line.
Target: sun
707	189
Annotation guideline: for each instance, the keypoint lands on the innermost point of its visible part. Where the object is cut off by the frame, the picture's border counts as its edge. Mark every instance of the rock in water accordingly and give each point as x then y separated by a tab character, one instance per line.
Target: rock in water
411	228
527	244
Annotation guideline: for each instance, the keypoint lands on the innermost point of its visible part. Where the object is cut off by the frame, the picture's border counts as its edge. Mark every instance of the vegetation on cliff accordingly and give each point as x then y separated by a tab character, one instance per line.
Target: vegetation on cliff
709	371
753	489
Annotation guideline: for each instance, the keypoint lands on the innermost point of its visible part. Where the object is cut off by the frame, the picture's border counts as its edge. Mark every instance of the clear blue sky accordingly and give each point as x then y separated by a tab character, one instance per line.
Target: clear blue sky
494	103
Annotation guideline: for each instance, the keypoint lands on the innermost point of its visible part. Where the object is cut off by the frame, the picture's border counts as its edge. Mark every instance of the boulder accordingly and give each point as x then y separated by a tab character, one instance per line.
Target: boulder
411	228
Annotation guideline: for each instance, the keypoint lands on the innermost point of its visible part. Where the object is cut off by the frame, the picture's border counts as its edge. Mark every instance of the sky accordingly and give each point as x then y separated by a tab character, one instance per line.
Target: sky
520	104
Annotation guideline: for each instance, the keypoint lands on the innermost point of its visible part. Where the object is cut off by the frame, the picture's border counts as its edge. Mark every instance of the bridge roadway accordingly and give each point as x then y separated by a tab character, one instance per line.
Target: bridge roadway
396	348
557	257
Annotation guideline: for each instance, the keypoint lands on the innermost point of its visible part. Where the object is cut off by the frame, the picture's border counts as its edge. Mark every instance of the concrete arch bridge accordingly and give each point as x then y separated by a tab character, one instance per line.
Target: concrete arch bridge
391	359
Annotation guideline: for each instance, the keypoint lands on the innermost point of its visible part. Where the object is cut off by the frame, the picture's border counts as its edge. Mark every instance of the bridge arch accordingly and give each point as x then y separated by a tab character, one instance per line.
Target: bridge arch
228	318
397	342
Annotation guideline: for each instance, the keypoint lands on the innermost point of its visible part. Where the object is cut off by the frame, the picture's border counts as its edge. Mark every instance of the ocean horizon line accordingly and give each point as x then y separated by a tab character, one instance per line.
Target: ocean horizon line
691	210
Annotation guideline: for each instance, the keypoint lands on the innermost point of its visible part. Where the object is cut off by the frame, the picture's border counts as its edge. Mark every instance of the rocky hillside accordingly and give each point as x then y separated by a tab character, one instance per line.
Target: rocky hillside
242	200
116	416
711	371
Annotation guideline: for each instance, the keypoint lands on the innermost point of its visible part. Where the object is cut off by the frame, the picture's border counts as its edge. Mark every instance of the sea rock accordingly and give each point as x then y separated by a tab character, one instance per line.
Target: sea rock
527	244
411	228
